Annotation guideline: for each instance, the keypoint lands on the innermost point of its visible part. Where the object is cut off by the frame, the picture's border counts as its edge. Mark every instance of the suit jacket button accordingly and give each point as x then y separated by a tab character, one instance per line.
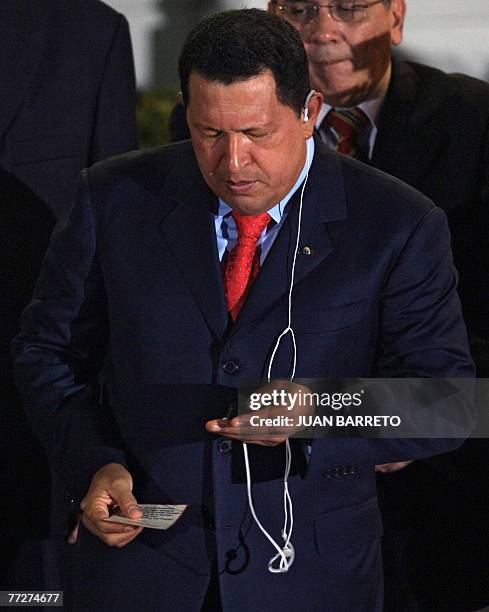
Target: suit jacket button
230	367
225	446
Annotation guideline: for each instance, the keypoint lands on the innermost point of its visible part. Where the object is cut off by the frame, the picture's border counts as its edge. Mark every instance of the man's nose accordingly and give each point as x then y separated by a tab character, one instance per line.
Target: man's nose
236	151
324	28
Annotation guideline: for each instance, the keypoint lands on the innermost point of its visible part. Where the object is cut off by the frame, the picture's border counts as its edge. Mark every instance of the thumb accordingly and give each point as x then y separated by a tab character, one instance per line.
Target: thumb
128	505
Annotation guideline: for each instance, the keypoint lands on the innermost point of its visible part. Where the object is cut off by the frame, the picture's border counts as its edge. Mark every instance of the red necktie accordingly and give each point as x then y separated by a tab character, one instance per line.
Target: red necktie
241	265
348	125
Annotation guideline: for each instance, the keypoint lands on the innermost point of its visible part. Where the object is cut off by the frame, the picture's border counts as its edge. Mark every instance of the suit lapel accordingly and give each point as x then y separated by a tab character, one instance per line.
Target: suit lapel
324	202
411	133
189	232
22	41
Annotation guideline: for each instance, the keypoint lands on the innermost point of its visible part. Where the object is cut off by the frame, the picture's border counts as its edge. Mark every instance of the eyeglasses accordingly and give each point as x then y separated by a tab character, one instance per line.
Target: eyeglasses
339	10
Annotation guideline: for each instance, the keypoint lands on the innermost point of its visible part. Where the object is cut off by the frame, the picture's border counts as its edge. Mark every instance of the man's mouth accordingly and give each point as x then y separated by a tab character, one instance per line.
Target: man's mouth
329	61
326	55
240	187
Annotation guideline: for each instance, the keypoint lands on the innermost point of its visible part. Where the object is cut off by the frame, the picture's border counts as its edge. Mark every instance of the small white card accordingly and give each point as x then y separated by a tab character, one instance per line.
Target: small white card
155	516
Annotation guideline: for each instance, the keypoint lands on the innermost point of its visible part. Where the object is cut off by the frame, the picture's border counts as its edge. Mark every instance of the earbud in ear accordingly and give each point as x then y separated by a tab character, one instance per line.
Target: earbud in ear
305	109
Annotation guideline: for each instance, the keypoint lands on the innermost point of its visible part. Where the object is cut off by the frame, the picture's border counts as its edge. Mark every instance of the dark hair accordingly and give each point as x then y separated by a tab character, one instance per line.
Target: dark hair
237	45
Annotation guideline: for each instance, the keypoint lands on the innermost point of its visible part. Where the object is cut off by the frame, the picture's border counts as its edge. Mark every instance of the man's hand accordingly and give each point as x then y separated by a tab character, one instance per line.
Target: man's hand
111	486
252	427
387	468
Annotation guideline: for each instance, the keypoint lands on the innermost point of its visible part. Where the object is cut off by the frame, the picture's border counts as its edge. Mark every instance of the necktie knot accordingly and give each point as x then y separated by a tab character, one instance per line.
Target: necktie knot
250	227
348	126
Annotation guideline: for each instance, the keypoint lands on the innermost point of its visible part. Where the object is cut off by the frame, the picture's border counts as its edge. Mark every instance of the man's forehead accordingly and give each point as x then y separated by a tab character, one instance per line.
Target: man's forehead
242	105
256	89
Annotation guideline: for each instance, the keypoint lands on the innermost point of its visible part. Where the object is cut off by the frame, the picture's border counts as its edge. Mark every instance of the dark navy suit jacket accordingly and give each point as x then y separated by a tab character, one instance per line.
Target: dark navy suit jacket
131	285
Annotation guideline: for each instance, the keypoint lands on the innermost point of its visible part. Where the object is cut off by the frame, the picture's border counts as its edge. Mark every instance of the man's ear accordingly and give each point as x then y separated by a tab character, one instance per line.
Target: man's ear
271	7
398	9
313	107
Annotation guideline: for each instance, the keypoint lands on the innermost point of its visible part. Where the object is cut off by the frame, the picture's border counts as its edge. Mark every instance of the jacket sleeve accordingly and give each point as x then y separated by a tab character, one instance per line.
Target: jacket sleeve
60	352
115	128
422	329
422	335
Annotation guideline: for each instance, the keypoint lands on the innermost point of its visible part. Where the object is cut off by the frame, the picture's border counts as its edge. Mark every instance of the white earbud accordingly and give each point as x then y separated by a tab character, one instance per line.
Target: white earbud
305	108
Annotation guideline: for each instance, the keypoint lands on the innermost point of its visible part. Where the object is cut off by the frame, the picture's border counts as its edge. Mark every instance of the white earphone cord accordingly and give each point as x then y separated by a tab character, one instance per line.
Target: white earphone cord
287	552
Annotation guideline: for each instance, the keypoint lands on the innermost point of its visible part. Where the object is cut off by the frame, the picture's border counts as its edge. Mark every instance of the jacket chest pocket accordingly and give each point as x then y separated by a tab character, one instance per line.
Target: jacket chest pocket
329	319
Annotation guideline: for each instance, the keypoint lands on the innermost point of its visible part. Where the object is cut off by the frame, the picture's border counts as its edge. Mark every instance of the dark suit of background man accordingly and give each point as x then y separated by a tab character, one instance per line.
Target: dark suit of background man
431	130
133	284
67	100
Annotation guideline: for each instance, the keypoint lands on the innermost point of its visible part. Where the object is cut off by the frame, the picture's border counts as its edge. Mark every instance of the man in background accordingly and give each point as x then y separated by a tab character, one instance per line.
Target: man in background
431	130
68	100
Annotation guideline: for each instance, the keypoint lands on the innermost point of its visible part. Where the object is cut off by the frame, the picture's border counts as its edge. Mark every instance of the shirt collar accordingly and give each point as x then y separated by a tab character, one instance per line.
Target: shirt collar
278	210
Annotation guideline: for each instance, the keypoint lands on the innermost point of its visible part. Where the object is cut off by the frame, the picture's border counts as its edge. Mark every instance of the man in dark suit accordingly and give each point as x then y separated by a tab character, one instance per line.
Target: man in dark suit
177	269
431	130
68	100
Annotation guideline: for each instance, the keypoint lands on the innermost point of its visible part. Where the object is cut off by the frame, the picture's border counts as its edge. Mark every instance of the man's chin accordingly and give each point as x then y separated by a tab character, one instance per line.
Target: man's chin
338	86
247	204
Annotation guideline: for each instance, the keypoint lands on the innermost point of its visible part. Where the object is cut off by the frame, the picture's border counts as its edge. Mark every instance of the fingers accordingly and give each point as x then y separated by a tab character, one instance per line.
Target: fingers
388	468
96	505
112	534
111	486
275	418
240	429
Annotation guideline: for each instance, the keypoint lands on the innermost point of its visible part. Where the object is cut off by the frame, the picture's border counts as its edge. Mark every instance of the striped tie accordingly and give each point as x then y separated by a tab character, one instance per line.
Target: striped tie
347	125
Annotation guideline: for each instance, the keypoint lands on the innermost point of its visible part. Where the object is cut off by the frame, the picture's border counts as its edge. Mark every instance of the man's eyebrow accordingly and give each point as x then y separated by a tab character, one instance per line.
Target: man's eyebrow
262	126
207	126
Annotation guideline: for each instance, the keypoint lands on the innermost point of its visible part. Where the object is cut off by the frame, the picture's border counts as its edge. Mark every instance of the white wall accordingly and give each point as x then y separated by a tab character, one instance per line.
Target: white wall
450	34
144	18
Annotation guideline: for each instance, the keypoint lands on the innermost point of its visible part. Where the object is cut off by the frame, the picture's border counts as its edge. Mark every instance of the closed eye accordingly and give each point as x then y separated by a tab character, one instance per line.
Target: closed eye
209	133
255	133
